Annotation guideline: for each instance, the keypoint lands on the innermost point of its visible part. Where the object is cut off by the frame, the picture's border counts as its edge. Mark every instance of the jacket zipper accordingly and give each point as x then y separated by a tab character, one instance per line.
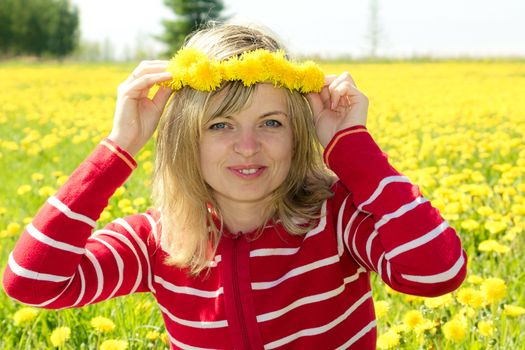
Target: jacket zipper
237	294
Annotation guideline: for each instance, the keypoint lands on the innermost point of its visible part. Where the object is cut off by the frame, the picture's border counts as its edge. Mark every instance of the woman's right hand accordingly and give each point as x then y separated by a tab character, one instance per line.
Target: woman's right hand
136	115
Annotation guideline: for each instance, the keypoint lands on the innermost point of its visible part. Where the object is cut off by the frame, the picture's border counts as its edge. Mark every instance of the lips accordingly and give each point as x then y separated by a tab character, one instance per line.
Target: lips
247	171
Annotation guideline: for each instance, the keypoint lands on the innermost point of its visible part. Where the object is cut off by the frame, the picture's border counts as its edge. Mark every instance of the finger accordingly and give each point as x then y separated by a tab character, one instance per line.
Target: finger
329	78
161	97
147	67
142	84
325	97
342	89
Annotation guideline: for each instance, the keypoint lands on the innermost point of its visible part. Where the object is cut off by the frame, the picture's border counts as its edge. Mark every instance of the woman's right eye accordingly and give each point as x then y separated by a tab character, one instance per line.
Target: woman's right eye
218	126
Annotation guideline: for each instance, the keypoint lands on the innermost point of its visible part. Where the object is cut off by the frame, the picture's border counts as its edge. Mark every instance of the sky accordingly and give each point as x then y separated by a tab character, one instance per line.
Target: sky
331	28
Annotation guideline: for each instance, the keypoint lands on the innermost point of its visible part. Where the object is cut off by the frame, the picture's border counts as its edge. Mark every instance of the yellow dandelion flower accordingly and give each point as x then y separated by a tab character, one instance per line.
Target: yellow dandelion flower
23	189
413	318
102	324
62	180
105	215
3	210
37	177
143	306
388	340
495	226
152	335
60	335
13	228
454	330
140	201
491	245
24	315
426	325
204	76
311	77
114	344
123	203
469	225
493	289
148	167
381	308
441	301
485	328
120	191
513	310
470	297
485	211
46	191
165	338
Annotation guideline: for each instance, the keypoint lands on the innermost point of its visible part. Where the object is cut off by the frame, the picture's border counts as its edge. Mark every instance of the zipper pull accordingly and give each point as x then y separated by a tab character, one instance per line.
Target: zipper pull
237	235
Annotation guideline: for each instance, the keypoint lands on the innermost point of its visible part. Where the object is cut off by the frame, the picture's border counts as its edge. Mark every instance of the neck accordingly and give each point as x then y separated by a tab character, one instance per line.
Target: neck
242	217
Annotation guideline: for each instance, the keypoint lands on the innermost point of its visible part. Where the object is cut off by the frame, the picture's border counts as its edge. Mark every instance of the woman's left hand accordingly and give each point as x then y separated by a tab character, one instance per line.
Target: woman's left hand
338	106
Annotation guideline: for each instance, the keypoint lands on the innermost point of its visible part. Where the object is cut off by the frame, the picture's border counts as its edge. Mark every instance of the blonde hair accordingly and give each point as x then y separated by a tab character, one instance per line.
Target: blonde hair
190	235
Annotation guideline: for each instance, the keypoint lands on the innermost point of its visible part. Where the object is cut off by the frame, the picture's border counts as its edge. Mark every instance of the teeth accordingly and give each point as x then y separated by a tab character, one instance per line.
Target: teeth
247	171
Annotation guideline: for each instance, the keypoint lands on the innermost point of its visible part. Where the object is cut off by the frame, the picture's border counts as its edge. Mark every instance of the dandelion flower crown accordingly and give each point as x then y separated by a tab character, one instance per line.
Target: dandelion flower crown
192	67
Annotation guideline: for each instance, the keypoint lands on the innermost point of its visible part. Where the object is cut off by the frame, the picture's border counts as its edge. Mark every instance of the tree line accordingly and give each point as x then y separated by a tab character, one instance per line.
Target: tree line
50	28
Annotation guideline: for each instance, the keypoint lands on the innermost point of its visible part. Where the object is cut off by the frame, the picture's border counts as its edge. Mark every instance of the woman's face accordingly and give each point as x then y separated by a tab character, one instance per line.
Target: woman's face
247	155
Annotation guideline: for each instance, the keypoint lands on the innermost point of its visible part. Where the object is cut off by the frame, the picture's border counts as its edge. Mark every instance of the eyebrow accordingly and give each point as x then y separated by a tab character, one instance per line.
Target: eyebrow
272	113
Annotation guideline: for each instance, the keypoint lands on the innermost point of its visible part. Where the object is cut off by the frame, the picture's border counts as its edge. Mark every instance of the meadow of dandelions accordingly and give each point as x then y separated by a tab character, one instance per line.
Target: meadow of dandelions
457	129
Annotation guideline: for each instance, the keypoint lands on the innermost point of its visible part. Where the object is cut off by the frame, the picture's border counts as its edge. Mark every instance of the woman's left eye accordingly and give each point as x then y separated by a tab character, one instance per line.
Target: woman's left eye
272	123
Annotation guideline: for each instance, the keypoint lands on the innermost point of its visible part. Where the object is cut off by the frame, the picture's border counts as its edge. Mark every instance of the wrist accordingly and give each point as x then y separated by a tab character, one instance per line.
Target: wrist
126	145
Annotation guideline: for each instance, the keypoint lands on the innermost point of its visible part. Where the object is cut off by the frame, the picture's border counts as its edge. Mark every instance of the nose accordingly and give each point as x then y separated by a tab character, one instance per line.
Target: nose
246	143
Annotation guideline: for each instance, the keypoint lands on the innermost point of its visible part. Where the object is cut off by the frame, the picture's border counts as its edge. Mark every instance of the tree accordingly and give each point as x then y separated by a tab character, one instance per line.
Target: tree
38	27
190	15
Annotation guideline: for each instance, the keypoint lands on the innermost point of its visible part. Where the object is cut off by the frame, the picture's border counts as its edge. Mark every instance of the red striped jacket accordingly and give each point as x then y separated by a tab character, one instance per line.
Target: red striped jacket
278	291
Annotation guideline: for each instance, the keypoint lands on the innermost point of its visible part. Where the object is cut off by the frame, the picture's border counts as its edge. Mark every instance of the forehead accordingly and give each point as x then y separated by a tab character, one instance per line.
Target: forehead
235	97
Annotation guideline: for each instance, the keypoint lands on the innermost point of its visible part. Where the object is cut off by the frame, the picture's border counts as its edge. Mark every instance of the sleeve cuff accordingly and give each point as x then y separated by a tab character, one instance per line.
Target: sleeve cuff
338	136
119	152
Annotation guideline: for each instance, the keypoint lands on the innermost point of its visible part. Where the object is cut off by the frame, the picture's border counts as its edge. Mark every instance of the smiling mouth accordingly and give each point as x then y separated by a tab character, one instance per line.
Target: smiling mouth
248	171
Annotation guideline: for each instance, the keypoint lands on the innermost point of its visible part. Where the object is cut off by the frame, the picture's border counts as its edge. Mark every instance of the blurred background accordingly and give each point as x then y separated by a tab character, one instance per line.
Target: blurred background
120	30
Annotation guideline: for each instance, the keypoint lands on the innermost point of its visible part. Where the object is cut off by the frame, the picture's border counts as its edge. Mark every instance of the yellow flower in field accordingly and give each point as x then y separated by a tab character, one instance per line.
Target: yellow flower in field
485	328
388	340
143	306
165	338
152	335
24	315
148	167
491	245
123	203
474	279
513	310
62	180
469	225
493	289
102	324
470	297
120	191
454	330
381	307
495	226
46	191
139	201
13	228
443	300
113	344
413	318
60	335
23	189
27	220
485	211
105	215
144	155
3	211
36	177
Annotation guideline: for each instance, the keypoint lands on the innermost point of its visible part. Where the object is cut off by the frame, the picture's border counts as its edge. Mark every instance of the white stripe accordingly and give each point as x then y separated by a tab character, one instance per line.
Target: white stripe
188	290
184	346
54	201
142	247
379	265
321	329
358	335
23	272
321	225
100	275
39	236
194	324
296	272
369	247
128	243
310	299
418	241
400	211
153	225
274	251
340	247
354	245
388	270
382	184
47	302
82	286
440	277
120	265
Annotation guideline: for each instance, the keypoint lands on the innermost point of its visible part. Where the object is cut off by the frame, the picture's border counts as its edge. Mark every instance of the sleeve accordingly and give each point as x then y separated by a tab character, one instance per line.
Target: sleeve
59	263
386	224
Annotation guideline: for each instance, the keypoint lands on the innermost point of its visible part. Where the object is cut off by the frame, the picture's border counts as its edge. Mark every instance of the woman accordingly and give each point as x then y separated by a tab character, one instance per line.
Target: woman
254	243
